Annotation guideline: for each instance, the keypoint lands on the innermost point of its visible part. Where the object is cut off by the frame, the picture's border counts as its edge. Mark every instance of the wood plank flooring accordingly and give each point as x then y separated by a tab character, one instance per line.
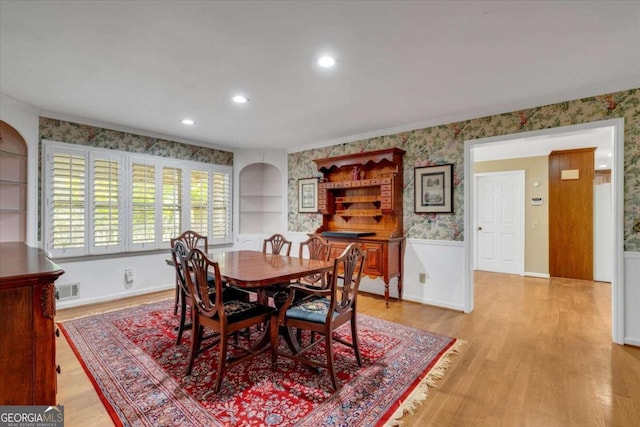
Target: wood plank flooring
538	353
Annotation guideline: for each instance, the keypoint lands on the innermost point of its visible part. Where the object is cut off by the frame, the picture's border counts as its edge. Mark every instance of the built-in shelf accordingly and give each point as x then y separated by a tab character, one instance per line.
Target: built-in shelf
12	154
13	185
261	201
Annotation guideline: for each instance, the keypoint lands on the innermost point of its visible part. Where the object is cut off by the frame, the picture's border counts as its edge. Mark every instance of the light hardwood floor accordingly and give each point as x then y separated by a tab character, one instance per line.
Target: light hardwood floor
538	353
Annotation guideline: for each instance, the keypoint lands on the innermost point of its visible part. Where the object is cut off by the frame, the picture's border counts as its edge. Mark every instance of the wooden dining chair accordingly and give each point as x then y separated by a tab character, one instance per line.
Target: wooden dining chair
191	239
277	245
315	247
335	306
180	251
222	316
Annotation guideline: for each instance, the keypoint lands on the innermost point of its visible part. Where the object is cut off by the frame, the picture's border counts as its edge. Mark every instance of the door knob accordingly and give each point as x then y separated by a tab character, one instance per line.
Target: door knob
479	228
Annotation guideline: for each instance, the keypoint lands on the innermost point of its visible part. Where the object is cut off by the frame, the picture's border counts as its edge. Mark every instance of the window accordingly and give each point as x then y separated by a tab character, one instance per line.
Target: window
66	203
200	202
143	203
107	201
171	202
221	200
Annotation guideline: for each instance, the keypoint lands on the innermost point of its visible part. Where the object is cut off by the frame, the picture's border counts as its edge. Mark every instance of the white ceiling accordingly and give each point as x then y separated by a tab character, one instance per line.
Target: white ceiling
145	65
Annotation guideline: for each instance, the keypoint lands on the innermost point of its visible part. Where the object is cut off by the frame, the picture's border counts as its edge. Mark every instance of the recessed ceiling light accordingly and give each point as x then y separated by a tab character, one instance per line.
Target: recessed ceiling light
240	99
326	61
187	122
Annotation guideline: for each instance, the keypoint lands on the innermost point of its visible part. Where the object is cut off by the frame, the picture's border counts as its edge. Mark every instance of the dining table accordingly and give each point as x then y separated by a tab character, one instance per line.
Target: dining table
255	271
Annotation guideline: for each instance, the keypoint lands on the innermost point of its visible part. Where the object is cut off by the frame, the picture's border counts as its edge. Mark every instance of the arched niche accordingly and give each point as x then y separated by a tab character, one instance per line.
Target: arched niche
260	199
13	185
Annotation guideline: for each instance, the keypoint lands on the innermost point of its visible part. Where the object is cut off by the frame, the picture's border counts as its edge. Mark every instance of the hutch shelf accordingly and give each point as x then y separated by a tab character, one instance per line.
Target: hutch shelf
360	199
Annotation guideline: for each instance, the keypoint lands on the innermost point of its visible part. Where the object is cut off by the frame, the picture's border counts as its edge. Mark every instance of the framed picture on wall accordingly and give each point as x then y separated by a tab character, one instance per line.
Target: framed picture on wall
308	195
434	189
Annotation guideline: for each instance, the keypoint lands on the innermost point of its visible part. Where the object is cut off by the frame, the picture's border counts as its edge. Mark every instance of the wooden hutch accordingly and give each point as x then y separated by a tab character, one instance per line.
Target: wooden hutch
360	199
28	370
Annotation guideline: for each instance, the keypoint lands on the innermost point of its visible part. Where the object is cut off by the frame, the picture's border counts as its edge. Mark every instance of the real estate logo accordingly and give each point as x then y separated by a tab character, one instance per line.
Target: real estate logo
32	416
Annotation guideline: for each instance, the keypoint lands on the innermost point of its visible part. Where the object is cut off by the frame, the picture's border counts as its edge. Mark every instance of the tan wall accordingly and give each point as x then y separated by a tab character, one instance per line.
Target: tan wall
536	238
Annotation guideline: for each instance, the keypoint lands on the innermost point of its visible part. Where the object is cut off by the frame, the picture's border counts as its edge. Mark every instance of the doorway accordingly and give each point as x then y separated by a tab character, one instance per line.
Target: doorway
616	127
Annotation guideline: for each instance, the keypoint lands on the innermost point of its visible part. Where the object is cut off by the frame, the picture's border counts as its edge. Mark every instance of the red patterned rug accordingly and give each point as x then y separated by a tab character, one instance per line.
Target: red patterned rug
131	357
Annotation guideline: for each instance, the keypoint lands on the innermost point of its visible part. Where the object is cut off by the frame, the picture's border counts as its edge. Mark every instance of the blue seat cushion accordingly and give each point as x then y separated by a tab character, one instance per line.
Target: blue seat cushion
311	310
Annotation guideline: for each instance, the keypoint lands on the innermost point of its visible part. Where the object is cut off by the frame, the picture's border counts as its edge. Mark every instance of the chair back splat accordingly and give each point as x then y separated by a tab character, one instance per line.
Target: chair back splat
278	244
190	239
315	247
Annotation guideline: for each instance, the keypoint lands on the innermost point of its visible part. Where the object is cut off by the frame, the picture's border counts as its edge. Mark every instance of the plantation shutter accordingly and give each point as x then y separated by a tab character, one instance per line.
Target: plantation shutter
107	205
200	202
143	205
171	202
66	203
221	201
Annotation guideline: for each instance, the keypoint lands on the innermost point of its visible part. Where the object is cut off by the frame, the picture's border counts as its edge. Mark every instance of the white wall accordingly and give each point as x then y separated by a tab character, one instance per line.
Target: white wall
632	298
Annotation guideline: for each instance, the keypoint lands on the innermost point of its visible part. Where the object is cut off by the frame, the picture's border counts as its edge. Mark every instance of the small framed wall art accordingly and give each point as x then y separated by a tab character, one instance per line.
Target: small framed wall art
434	189
308	195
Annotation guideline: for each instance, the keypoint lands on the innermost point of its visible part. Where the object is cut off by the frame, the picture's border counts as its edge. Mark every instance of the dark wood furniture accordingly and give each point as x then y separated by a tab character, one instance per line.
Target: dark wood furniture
277	244
27	339
255	270
191	239
324	312
223	317
315	247
360	199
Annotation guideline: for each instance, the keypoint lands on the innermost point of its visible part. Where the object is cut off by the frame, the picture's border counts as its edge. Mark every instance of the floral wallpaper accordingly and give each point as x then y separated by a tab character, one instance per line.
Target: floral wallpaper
73	133
445	144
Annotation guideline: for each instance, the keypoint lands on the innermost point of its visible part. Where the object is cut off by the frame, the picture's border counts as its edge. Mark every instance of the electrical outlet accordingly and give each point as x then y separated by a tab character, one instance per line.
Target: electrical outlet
422	277
128	276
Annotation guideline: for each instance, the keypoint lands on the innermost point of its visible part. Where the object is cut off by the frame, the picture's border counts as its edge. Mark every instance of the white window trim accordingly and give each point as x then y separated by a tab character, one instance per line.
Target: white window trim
89	153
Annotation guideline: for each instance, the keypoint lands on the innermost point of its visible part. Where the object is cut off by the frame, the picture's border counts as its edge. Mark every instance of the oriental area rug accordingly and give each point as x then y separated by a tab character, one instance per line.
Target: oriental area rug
131	357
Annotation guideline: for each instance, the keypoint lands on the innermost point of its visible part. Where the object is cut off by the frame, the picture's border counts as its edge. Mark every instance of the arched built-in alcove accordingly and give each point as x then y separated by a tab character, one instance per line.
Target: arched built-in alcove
13	185
260	199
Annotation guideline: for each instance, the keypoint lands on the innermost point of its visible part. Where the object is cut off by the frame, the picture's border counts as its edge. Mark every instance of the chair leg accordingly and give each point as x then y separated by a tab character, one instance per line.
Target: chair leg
177	298
329	350
355	341
222	358
196	335
183	317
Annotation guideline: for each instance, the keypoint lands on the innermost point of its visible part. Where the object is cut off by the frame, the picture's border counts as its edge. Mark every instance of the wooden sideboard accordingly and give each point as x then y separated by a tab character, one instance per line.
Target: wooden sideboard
28	371
360	199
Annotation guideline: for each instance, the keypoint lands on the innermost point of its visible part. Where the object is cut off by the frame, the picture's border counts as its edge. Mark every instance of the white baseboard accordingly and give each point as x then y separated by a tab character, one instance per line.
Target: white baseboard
540	275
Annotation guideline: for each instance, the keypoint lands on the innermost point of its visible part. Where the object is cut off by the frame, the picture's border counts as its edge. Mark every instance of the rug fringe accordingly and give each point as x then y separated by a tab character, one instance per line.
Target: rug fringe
420	393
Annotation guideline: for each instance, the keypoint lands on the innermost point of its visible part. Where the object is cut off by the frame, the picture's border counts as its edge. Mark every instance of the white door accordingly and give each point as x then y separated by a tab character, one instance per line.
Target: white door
499	202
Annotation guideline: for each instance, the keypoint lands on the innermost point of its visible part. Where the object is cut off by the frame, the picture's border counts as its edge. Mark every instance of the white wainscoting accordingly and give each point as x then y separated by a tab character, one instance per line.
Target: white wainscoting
632	298
103	279
442	262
